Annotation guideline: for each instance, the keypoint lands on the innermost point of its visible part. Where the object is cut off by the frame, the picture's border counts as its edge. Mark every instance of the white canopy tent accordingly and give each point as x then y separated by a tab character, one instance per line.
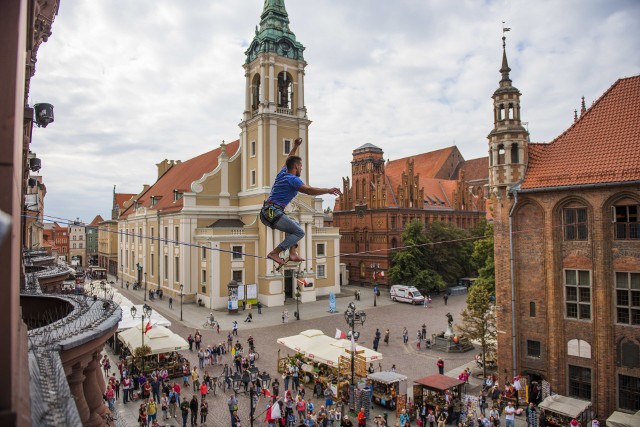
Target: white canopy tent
317	346
158	338
128	322
621	419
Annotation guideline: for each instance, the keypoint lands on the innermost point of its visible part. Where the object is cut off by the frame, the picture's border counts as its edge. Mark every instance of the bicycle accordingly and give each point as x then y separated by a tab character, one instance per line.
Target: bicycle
210	323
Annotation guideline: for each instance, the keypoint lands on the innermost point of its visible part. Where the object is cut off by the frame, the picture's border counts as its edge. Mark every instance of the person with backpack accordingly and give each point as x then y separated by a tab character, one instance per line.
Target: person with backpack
173	404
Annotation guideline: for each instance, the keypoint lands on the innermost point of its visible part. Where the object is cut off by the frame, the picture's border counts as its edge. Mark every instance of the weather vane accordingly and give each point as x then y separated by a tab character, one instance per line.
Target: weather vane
504	30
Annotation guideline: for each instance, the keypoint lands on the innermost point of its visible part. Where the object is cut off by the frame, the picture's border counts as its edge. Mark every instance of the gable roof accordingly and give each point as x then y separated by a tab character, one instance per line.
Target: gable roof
474	170
121	198
426	164
179	177
97	220
603	146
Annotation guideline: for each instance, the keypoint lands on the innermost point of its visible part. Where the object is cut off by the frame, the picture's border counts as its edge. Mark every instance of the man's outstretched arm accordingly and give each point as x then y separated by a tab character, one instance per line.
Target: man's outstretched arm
316	191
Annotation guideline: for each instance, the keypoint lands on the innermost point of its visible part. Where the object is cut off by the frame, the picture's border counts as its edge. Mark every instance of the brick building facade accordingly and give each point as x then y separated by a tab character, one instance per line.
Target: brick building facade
567	248
381	198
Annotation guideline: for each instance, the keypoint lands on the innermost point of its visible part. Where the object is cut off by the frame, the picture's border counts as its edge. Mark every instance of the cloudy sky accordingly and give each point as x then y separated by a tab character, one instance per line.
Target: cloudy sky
135	82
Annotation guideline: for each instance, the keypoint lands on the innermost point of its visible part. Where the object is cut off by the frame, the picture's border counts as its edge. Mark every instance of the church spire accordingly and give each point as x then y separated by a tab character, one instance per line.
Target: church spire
273	34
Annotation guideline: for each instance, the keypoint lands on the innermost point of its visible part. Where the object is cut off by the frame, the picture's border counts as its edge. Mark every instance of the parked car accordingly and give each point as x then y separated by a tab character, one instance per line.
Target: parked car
408	294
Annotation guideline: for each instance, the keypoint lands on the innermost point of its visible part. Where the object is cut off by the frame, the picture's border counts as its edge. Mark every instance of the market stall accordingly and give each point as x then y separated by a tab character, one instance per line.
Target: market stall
560	410
431	390
388	388
622	419
163	344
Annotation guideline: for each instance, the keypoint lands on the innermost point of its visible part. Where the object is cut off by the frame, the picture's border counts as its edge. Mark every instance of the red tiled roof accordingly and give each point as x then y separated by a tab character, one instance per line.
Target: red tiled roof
474	169
97	220
123	197
603	146
439	382
426	164
179	177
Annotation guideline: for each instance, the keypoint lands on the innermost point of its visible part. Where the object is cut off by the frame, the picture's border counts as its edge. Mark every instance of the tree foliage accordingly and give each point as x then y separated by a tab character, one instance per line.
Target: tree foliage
483	260
431	266
478	319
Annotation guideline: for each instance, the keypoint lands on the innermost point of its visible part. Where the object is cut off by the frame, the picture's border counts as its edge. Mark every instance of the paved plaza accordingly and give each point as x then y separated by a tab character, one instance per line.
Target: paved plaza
267	327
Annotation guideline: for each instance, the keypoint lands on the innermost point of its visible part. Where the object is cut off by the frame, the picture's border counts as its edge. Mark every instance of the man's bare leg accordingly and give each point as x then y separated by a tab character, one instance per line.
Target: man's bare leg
293	254
274	256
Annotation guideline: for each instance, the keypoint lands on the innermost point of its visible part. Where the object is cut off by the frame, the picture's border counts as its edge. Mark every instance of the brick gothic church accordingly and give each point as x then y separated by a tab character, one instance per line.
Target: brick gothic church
567	248
381	198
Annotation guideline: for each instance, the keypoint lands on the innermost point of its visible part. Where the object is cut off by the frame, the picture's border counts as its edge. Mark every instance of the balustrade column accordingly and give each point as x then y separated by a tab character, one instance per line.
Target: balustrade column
94	388
76	379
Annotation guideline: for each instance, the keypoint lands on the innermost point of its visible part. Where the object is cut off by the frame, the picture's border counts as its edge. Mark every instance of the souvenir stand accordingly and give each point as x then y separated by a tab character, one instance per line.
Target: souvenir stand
389	388
164	347
560	410
622	419
431	390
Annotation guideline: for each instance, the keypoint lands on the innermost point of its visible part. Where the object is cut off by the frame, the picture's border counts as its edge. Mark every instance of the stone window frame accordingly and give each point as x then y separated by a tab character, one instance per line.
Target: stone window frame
321	253
579	288
321	271
631	295
237	252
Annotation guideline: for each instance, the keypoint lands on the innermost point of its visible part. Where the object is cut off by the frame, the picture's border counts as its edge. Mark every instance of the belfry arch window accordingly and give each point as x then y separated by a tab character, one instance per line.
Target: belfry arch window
255	92
357	190
285	90
500	112
501	154
510	112
514	153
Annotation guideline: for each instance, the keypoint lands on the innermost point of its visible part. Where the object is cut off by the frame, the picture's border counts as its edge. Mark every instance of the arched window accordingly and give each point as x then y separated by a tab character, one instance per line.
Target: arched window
285	90
501	154
357	189
629	354
394	243
255	92
515	153
532	309
510	112
364	189
579	348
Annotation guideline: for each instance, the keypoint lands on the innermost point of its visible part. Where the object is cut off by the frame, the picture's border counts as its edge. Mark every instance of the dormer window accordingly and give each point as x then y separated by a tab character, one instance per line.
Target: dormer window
153	201
177	195
136	204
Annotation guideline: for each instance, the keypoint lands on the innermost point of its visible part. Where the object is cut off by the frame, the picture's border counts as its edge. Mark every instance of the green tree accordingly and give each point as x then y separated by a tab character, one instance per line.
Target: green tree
409	262
482	260
479	321
451	259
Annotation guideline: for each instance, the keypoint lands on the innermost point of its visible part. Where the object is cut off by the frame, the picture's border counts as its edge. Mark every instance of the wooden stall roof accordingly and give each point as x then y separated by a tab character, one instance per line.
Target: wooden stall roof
439	382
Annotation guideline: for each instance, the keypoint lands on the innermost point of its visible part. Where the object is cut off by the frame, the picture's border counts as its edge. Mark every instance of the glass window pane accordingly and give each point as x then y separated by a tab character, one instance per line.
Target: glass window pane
622	315
622	297
622	280
583	278
570	232
635	317
572	294
621	214
585	311
569	216
585	295
634	230
635	280
582	215
635	298
633	213
570	277
572	310
582	232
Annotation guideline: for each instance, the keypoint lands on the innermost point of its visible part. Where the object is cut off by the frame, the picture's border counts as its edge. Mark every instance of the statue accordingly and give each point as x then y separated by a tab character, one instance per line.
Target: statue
449	319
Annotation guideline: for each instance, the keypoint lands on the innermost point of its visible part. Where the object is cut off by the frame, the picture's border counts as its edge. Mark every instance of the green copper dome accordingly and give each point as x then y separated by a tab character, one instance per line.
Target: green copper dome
274	34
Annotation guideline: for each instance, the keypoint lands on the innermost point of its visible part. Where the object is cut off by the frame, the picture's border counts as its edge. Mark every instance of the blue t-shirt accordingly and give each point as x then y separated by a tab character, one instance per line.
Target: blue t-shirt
285	187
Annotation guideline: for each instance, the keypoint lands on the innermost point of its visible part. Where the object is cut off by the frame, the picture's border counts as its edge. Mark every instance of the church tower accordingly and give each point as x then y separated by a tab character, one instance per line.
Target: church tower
508	141
275	113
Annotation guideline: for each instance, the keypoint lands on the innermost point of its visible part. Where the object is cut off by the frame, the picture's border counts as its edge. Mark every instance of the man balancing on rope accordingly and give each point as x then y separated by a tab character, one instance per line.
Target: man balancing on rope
285	188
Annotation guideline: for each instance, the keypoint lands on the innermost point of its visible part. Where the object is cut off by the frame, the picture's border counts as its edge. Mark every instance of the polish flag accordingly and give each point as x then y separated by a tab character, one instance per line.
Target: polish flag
147	327
340	335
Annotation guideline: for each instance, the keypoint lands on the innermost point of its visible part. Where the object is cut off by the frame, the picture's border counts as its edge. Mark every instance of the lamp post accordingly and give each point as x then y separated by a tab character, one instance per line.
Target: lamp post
146	312
297	301
181	295
139	267
145	285
351	316
121	276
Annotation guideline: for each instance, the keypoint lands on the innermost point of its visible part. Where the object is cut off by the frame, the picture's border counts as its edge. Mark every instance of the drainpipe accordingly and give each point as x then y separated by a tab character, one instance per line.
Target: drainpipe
514	191
158	256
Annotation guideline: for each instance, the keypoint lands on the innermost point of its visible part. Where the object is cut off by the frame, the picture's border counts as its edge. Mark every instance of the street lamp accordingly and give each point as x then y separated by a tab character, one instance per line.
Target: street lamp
181	295
351	316
297	301
145	285
146	313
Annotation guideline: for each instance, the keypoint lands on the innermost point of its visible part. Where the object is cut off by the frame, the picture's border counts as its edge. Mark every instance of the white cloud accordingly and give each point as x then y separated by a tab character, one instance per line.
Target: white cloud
136	82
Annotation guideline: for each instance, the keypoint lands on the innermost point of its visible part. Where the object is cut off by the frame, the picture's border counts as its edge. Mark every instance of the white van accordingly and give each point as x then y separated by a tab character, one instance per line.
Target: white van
408	294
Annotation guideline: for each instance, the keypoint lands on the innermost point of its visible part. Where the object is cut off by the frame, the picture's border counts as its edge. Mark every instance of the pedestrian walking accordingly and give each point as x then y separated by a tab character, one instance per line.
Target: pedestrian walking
386	336
446	298
259	307
170	302
235	328
405	335
194	406
440	364
204	411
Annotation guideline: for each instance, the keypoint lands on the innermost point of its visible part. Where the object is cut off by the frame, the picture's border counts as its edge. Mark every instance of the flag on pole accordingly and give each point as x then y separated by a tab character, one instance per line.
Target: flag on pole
148	327
340	335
